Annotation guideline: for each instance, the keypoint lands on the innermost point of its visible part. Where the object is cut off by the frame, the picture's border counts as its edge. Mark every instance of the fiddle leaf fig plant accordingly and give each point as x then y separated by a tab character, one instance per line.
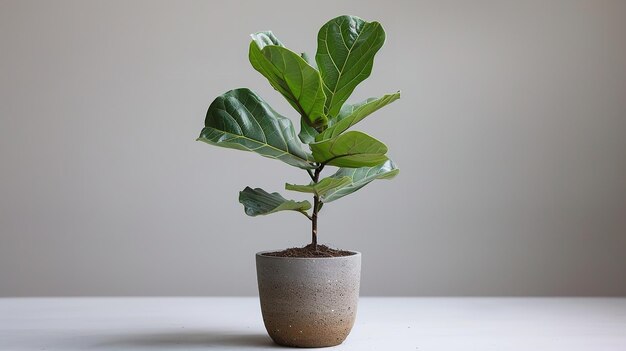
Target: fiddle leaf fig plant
318	91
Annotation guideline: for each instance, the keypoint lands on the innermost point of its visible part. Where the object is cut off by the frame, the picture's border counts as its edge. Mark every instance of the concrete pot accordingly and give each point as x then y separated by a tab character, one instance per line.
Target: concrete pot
308	302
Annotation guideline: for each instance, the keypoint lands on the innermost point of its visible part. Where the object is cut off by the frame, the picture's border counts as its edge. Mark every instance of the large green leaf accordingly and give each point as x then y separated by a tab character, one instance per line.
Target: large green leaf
259	202
352	149
240	119
291	75
352	114
346	46
359	177
322	187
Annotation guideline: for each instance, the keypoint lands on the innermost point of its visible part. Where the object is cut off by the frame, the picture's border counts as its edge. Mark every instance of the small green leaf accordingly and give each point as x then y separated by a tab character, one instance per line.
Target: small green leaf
322	187
266	38
352	149
259	202
289	73
359	177
307	133
240	119
352	114
346	47
308	60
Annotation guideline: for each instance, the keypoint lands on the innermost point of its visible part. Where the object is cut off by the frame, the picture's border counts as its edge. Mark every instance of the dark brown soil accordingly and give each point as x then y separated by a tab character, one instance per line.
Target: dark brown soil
310	252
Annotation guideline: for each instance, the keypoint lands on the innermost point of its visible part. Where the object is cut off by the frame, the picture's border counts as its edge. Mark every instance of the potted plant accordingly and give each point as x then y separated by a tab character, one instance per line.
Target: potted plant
308	295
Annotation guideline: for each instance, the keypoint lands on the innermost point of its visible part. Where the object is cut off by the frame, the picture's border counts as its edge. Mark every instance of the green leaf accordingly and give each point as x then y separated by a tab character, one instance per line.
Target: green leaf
240	119
307	133
289	73
346	46
359	177
352	149
266	38
322	187
352	114
259	202
308	59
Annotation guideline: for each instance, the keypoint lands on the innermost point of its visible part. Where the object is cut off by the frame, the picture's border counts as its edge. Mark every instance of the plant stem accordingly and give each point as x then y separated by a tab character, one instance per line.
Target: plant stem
316	206
314	222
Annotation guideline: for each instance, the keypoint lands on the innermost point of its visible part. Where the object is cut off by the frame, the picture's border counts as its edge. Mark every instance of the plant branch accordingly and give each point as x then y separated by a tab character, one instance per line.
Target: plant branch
316	207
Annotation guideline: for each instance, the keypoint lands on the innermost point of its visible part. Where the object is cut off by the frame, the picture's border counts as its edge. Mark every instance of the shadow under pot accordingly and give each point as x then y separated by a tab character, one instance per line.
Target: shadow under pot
308	302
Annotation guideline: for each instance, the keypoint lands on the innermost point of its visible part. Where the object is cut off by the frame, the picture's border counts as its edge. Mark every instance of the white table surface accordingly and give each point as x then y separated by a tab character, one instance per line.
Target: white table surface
422	324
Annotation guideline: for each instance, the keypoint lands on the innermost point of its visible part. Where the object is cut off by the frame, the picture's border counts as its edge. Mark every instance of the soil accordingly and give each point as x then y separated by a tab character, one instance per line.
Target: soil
310	252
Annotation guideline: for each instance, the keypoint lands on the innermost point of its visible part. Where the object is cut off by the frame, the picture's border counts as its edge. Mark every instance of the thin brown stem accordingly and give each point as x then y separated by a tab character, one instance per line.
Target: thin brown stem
314	223
316	208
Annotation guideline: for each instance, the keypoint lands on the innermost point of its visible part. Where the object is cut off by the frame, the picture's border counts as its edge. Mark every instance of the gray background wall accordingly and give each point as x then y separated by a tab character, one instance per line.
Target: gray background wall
511	137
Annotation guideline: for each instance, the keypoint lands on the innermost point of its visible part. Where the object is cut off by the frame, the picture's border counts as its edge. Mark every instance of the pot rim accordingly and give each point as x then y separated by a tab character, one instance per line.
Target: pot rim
261	254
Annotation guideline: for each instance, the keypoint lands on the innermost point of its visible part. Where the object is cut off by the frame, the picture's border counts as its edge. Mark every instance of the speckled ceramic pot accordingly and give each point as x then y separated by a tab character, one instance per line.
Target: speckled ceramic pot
308	302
